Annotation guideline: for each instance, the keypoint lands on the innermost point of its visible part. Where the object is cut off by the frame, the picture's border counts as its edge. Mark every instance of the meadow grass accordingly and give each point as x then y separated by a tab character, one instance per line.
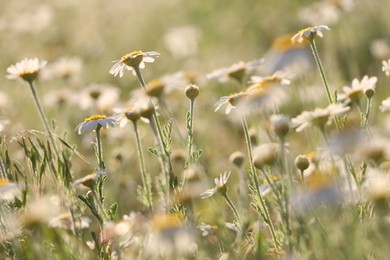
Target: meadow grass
195	130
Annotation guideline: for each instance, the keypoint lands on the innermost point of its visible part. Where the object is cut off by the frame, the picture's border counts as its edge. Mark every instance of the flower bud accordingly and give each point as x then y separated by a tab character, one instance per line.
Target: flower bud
192	91
280	125
237	158
370	92
302	162
266	154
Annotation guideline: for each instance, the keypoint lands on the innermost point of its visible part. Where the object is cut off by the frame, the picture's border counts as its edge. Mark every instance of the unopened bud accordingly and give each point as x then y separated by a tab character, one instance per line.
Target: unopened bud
192	91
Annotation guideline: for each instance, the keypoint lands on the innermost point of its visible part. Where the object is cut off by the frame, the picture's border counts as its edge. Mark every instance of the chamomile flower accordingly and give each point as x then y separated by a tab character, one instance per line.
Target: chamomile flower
295	58
358	89
27	69
386	67
232	100
276	78
309	33
385	106
220	186
236	71
133	61
65	68
319	117
94	122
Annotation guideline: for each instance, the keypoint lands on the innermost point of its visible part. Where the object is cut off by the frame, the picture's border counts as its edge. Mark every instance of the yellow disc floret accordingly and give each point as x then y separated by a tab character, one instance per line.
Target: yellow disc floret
95	117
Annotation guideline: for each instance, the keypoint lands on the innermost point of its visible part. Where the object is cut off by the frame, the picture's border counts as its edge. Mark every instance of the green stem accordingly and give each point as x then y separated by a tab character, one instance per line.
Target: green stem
321	69
43	117
99	150
324	80
265	213
233	208
142	167
190	129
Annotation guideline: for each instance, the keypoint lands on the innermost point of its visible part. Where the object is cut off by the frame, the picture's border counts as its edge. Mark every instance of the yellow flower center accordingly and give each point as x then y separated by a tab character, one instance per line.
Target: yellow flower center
3	181
284	43
155	88
95	117
29	75
168	221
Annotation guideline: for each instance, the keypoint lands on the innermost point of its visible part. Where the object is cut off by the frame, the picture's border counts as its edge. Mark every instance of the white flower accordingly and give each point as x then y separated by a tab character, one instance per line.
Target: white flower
220	186
231	101
276	78
94	122
65	68
309	33
27	69
131	61
386	67
385	106
100	96
357	89
236	71
319	117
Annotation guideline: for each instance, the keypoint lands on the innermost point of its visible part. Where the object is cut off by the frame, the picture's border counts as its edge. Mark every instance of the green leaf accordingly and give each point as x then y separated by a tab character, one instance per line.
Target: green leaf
112	211
153	151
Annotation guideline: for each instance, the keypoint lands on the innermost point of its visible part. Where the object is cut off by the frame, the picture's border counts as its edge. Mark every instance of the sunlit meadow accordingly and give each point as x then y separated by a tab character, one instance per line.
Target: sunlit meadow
195	129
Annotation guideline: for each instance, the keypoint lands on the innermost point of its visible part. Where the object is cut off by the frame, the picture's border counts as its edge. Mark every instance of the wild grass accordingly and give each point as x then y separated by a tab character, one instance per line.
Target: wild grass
233	142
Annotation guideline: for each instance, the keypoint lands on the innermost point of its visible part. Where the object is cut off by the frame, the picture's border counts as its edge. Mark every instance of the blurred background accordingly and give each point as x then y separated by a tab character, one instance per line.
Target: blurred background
194	37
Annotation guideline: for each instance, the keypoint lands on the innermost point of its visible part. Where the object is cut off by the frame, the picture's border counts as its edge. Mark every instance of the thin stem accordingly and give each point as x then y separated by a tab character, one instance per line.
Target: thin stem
324	80
190	129
265	213
321	69
99	150
43	117
142	166
233	208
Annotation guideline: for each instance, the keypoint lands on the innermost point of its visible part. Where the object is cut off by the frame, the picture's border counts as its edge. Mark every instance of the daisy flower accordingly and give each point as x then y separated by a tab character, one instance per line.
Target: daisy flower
276	78
358	89
100	96
132	61
27	69
65	68
385	106
220	186
123	115
236	71
94	122
386	67
319	117
232	100
309	33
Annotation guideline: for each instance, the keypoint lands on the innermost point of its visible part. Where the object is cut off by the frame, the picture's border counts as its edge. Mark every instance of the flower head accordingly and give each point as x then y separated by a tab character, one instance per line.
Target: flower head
385	106
358	89
27	69
309	33
319	117
236	71
94	122
386	67
132	61
231	101
220	186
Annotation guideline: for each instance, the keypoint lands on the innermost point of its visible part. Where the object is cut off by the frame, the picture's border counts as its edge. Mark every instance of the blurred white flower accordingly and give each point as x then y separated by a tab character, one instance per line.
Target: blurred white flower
386	67
385	105
319	117
8	190
93	122
380	49
293	58
182	41
100	96
131	61
64	68
236	71
27	69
